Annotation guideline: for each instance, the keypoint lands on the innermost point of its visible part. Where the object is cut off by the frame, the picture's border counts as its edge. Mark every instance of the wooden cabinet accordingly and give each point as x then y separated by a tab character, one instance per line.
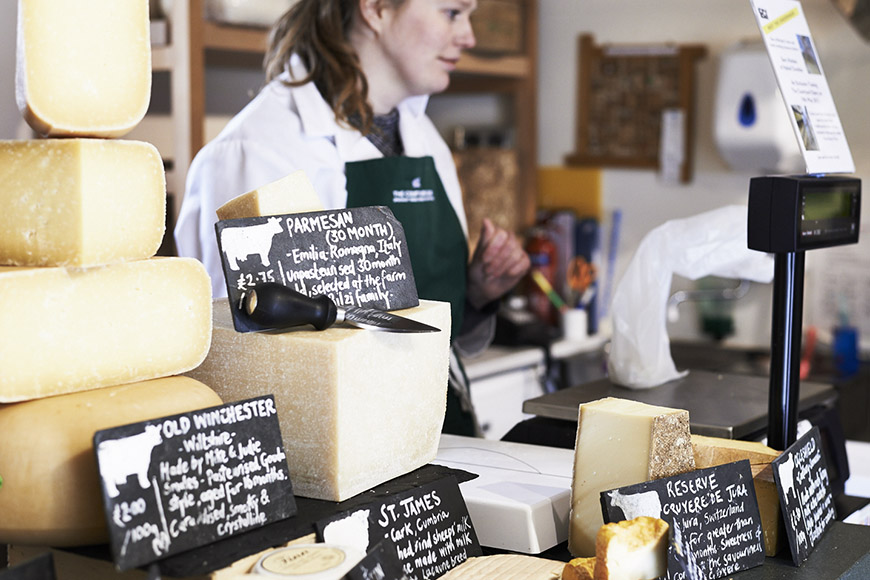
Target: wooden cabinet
195	42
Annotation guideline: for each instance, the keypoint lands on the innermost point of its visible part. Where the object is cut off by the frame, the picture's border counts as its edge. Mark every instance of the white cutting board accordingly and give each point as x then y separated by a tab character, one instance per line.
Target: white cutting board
522	497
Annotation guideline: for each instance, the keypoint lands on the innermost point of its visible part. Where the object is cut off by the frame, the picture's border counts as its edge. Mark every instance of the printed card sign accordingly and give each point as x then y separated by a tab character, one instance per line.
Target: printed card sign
804	88
713	515
355	256
429	527
801	477
180	482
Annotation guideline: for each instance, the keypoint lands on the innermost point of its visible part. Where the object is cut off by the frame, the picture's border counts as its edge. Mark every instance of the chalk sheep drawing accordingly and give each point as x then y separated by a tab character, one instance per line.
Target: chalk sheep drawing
645	503
786	476
241	242
121	458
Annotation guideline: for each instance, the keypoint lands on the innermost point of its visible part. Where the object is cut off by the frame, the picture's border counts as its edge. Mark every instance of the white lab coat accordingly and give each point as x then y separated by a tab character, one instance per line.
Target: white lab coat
282	130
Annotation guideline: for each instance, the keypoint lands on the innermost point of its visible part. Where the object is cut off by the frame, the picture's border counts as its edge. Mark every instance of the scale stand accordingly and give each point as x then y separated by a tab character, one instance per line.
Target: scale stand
787	216
785	348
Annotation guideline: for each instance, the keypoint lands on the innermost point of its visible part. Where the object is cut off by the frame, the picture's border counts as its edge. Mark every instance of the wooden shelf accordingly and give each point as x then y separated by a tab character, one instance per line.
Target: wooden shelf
234	38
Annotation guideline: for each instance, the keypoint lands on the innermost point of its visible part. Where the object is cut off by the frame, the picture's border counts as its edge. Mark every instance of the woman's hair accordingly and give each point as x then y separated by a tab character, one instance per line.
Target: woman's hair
317	31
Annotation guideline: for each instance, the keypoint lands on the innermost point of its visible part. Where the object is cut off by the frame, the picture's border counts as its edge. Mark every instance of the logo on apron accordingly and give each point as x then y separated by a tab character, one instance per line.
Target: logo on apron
415	195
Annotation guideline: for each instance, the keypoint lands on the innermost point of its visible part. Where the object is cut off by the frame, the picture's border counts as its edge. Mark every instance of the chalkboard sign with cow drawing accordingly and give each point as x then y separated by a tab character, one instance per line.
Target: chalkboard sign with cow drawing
175	483
355	256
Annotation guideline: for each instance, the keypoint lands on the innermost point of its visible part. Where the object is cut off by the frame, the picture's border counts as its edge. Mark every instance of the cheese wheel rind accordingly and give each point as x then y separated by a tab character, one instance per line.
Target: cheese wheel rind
68	329
83	69
51	489
80	202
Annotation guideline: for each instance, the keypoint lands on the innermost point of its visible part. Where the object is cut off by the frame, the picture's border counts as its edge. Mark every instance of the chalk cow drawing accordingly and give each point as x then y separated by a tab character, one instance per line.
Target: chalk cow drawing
786	476
240	242
121	458
646	503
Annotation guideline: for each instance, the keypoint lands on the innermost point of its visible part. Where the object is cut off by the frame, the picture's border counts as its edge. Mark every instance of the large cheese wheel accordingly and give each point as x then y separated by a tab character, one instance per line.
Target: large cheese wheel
356	407
50	492
65	330
80	202
83	66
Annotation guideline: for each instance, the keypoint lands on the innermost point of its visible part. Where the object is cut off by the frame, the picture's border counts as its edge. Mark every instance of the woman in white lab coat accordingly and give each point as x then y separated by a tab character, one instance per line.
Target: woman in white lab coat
349	81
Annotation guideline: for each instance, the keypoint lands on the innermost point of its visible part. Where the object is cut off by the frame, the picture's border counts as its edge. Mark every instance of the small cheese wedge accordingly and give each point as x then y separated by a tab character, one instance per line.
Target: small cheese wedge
64	330
83	68
621	442
291	194
635	549
712	451
50	492
356	407
80	202
579	569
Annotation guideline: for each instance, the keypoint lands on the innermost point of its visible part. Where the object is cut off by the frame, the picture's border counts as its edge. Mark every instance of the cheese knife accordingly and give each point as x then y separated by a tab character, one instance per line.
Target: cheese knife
275	306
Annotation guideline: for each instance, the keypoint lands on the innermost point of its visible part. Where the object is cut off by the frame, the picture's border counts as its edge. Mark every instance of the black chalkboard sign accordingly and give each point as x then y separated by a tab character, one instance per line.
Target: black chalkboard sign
39	568
356	256
429	527
712	512
179	482
381	563
801	477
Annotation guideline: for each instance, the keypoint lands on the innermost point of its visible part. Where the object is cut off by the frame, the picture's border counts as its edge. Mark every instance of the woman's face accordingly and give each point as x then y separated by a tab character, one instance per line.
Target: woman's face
422	41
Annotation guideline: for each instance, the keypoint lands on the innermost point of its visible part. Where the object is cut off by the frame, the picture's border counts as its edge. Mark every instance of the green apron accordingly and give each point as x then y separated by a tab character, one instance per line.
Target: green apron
412	189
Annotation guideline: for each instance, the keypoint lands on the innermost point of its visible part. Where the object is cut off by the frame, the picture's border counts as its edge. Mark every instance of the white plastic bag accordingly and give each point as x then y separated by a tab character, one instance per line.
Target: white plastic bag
711	243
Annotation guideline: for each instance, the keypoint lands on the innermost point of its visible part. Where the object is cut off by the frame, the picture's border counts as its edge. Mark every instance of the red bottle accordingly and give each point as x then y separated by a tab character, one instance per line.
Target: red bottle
542	254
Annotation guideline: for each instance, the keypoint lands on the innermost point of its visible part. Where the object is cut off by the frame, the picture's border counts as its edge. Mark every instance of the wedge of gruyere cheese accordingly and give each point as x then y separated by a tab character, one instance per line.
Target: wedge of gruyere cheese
64	329
80	202
712	451
83	68
50	492
635	549
356	407
291	194
621	442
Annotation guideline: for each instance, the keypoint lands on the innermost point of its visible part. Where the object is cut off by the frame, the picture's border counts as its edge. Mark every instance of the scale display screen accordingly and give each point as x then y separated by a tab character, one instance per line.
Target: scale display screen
803	212
826	205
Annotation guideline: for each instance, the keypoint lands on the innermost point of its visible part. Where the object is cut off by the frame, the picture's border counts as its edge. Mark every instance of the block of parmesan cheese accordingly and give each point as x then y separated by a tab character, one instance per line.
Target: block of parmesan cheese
83	69
621	442
64	329
634	549
50	492
80	202
356	407
712	451
291	194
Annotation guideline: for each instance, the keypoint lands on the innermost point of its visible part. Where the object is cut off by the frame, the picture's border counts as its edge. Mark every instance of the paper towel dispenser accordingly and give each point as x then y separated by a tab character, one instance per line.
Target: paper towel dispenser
751	126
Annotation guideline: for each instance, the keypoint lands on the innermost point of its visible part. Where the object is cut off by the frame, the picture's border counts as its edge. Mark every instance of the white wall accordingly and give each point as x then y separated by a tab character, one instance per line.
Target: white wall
642	196
9	117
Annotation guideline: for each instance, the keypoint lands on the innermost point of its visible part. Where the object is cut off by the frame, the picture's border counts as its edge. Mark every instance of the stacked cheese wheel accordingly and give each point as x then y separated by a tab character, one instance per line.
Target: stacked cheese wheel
93	327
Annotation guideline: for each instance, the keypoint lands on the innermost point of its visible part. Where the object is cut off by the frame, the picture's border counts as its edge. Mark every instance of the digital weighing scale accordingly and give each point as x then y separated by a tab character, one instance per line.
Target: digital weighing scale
787	216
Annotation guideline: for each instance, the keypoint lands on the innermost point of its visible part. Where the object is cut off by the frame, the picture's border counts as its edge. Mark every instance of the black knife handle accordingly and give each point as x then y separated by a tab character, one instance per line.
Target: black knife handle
274	305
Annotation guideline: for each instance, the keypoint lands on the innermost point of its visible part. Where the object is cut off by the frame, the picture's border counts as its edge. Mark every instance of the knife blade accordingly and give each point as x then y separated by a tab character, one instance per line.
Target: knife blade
275	306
